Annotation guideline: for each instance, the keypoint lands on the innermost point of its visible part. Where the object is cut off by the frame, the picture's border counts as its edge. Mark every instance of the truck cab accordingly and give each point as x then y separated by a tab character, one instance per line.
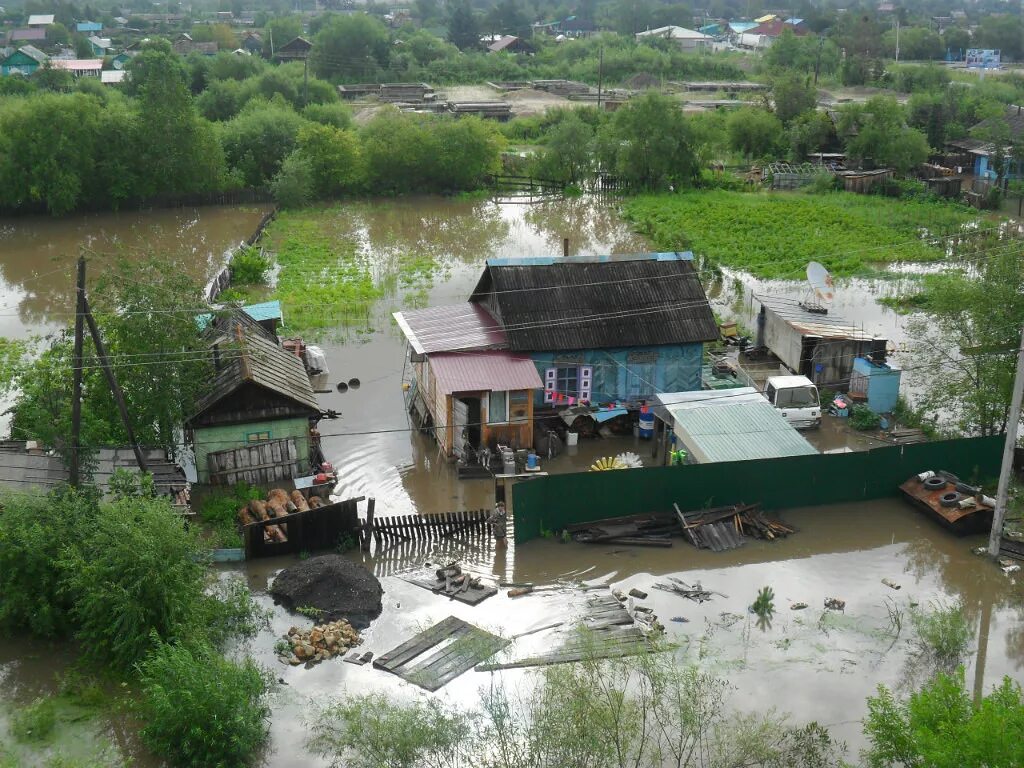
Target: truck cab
796	398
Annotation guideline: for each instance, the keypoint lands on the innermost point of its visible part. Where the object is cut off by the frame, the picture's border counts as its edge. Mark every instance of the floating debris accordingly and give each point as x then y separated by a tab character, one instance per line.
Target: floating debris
638	594
890	583
697	593
835	604
797	606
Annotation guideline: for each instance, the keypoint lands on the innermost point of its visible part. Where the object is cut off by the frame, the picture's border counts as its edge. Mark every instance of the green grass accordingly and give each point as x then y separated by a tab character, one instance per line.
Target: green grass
774	235
35	721
218	512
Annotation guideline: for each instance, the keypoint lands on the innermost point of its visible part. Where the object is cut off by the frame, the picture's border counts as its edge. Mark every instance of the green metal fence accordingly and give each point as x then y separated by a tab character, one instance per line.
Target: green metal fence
555	501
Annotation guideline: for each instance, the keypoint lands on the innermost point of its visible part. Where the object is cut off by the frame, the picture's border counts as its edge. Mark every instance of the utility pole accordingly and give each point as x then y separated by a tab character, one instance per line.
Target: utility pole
115	388
817	62
897	41
600	75
1011	442
305	80
74	470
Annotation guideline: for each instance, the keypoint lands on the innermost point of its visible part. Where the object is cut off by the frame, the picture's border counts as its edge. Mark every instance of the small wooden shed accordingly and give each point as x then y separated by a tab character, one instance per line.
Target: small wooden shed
259	394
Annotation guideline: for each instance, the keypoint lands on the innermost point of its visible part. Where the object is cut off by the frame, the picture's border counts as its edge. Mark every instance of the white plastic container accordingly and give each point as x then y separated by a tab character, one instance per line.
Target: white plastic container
572	438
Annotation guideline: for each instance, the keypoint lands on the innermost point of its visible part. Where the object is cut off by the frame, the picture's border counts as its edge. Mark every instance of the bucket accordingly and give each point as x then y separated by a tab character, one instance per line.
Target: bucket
531	461
647	424
572	438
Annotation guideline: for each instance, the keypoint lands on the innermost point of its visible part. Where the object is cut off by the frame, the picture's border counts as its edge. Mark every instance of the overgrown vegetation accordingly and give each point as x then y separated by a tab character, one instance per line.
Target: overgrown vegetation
127	581
249	266
201	709
642	711
34	721
848	233
941	725
863	418
943	635
218	512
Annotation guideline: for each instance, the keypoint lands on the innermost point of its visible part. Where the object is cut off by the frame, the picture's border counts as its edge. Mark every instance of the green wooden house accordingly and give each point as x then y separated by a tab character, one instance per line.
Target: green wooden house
259	393
24	61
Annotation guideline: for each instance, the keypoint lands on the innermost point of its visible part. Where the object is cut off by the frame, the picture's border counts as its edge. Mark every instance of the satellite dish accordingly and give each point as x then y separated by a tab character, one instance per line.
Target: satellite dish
821	281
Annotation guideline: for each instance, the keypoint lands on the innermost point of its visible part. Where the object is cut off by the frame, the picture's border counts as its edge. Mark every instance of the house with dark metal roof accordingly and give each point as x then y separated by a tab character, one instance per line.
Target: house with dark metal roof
260	393
603	329
554	332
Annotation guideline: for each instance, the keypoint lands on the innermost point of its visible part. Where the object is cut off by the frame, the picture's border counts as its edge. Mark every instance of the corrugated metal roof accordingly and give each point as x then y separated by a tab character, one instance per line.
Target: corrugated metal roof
496	371
598	302
113	76
451	327
37	19
256	358
736	431
27	34
77	65
264	310
812	323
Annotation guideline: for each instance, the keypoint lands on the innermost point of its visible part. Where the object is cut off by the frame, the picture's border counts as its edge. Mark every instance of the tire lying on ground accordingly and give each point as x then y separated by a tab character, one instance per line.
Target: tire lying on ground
337	587
950	499
934	483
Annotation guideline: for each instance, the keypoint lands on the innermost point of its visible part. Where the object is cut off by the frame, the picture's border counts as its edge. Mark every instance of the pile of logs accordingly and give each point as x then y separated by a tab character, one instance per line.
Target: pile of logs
277	504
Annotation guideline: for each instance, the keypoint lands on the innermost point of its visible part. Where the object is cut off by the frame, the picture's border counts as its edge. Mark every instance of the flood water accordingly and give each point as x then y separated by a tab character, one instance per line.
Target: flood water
827	663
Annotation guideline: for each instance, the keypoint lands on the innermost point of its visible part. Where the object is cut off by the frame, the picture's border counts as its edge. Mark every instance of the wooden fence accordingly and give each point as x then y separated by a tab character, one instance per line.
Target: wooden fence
222	280
321	528
263	463
443	526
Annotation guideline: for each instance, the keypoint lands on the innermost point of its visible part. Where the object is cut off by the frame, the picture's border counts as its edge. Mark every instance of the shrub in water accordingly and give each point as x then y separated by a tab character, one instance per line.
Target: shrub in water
201	709
33	532
35	721
249	267
943	634
134	575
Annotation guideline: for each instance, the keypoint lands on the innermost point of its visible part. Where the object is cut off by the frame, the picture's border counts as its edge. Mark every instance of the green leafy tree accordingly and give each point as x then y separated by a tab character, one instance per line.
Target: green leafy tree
648	142
754	133
810	132
49	78
177	151
916	44
293	186
463	27
468	149
257	141
955	40
877	129
279	31
356	45
793	95
971	326
399	153
802	54
568	152
941	727
334	156
1002	31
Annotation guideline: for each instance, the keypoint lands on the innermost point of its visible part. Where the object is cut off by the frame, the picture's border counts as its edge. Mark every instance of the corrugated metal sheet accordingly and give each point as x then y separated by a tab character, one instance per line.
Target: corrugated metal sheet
812	323
494	371
736	431
265	310
78	65
597	303
451	327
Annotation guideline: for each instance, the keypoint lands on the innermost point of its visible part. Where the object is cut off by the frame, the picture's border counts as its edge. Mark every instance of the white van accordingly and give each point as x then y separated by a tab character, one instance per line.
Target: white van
796	398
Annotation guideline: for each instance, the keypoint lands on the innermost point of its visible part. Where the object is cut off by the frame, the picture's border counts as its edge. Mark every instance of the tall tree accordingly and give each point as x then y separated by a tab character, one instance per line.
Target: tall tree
877	129
463	26
351	46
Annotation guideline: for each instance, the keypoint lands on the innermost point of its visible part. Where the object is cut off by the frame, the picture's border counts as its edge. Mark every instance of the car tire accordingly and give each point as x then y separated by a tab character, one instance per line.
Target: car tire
934	483
951	499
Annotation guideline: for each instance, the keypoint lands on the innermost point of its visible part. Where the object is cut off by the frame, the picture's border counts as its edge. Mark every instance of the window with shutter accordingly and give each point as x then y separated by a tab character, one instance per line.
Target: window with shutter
586	382
550	377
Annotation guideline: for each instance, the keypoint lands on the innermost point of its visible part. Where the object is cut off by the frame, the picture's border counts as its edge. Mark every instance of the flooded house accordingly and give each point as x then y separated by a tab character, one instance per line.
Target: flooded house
467	385
605	328
548	333
813	342
258	410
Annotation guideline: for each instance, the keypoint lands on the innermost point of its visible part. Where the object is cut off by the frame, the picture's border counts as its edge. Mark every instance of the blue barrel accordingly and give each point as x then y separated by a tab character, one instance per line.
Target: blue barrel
647	424
531	461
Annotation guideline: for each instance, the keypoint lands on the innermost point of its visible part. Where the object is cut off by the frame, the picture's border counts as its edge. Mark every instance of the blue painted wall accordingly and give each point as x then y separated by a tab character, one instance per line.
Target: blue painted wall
629	374
983	169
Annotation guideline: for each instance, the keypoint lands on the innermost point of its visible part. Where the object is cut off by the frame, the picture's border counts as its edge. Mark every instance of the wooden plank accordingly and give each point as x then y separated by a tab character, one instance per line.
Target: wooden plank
416	645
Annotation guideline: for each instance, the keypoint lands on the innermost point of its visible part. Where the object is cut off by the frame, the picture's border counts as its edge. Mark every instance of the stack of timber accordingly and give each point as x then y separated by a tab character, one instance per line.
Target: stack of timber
725	528
394	93
561	87
358	90
1012	545
649	530
694	592
497	110
286	523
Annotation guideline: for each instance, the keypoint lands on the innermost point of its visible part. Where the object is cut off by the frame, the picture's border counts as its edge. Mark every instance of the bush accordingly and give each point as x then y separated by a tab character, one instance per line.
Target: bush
249	267
293	185
863	418
943	634
35	721
34	531
201	709
135	577
219	511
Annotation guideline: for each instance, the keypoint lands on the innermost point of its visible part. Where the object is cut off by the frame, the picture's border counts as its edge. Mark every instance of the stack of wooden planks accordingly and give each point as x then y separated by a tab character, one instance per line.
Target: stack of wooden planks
727	527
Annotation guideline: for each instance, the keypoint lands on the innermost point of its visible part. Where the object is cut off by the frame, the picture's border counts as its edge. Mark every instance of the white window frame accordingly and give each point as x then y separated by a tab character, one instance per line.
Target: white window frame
504	420
584	381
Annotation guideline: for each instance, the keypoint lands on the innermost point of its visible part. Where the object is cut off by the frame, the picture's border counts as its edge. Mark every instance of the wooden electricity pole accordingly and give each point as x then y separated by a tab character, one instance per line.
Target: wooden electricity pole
74	470
115	388
1008	449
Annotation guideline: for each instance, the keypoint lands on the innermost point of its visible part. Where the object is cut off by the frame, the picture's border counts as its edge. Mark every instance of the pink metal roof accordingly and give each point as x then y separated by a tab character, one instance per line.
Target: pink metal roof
451	327
77	65
492	371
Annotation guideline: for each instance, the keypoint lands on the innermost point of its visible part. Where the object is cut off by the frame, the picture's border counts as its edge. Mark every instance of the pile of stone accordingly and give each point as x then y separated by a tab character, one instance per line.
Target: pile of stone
324	641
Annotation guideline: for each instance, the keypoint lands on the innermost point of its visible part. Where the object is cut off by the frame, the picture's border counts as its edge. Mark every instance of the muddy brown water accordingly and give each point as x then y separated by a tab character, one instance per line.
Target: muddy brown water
824	664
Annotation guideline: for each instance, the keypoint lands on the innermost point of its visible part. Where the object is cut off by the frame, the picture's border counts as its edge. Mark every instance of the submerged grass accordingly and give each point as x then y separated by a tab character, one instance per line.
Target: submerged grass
774	235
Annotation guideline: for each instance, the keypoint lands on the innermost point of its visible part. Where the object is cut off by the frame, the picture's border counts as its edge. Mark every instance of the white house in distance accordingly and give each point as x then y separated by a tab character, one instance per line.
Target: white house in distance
40	20
686	39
